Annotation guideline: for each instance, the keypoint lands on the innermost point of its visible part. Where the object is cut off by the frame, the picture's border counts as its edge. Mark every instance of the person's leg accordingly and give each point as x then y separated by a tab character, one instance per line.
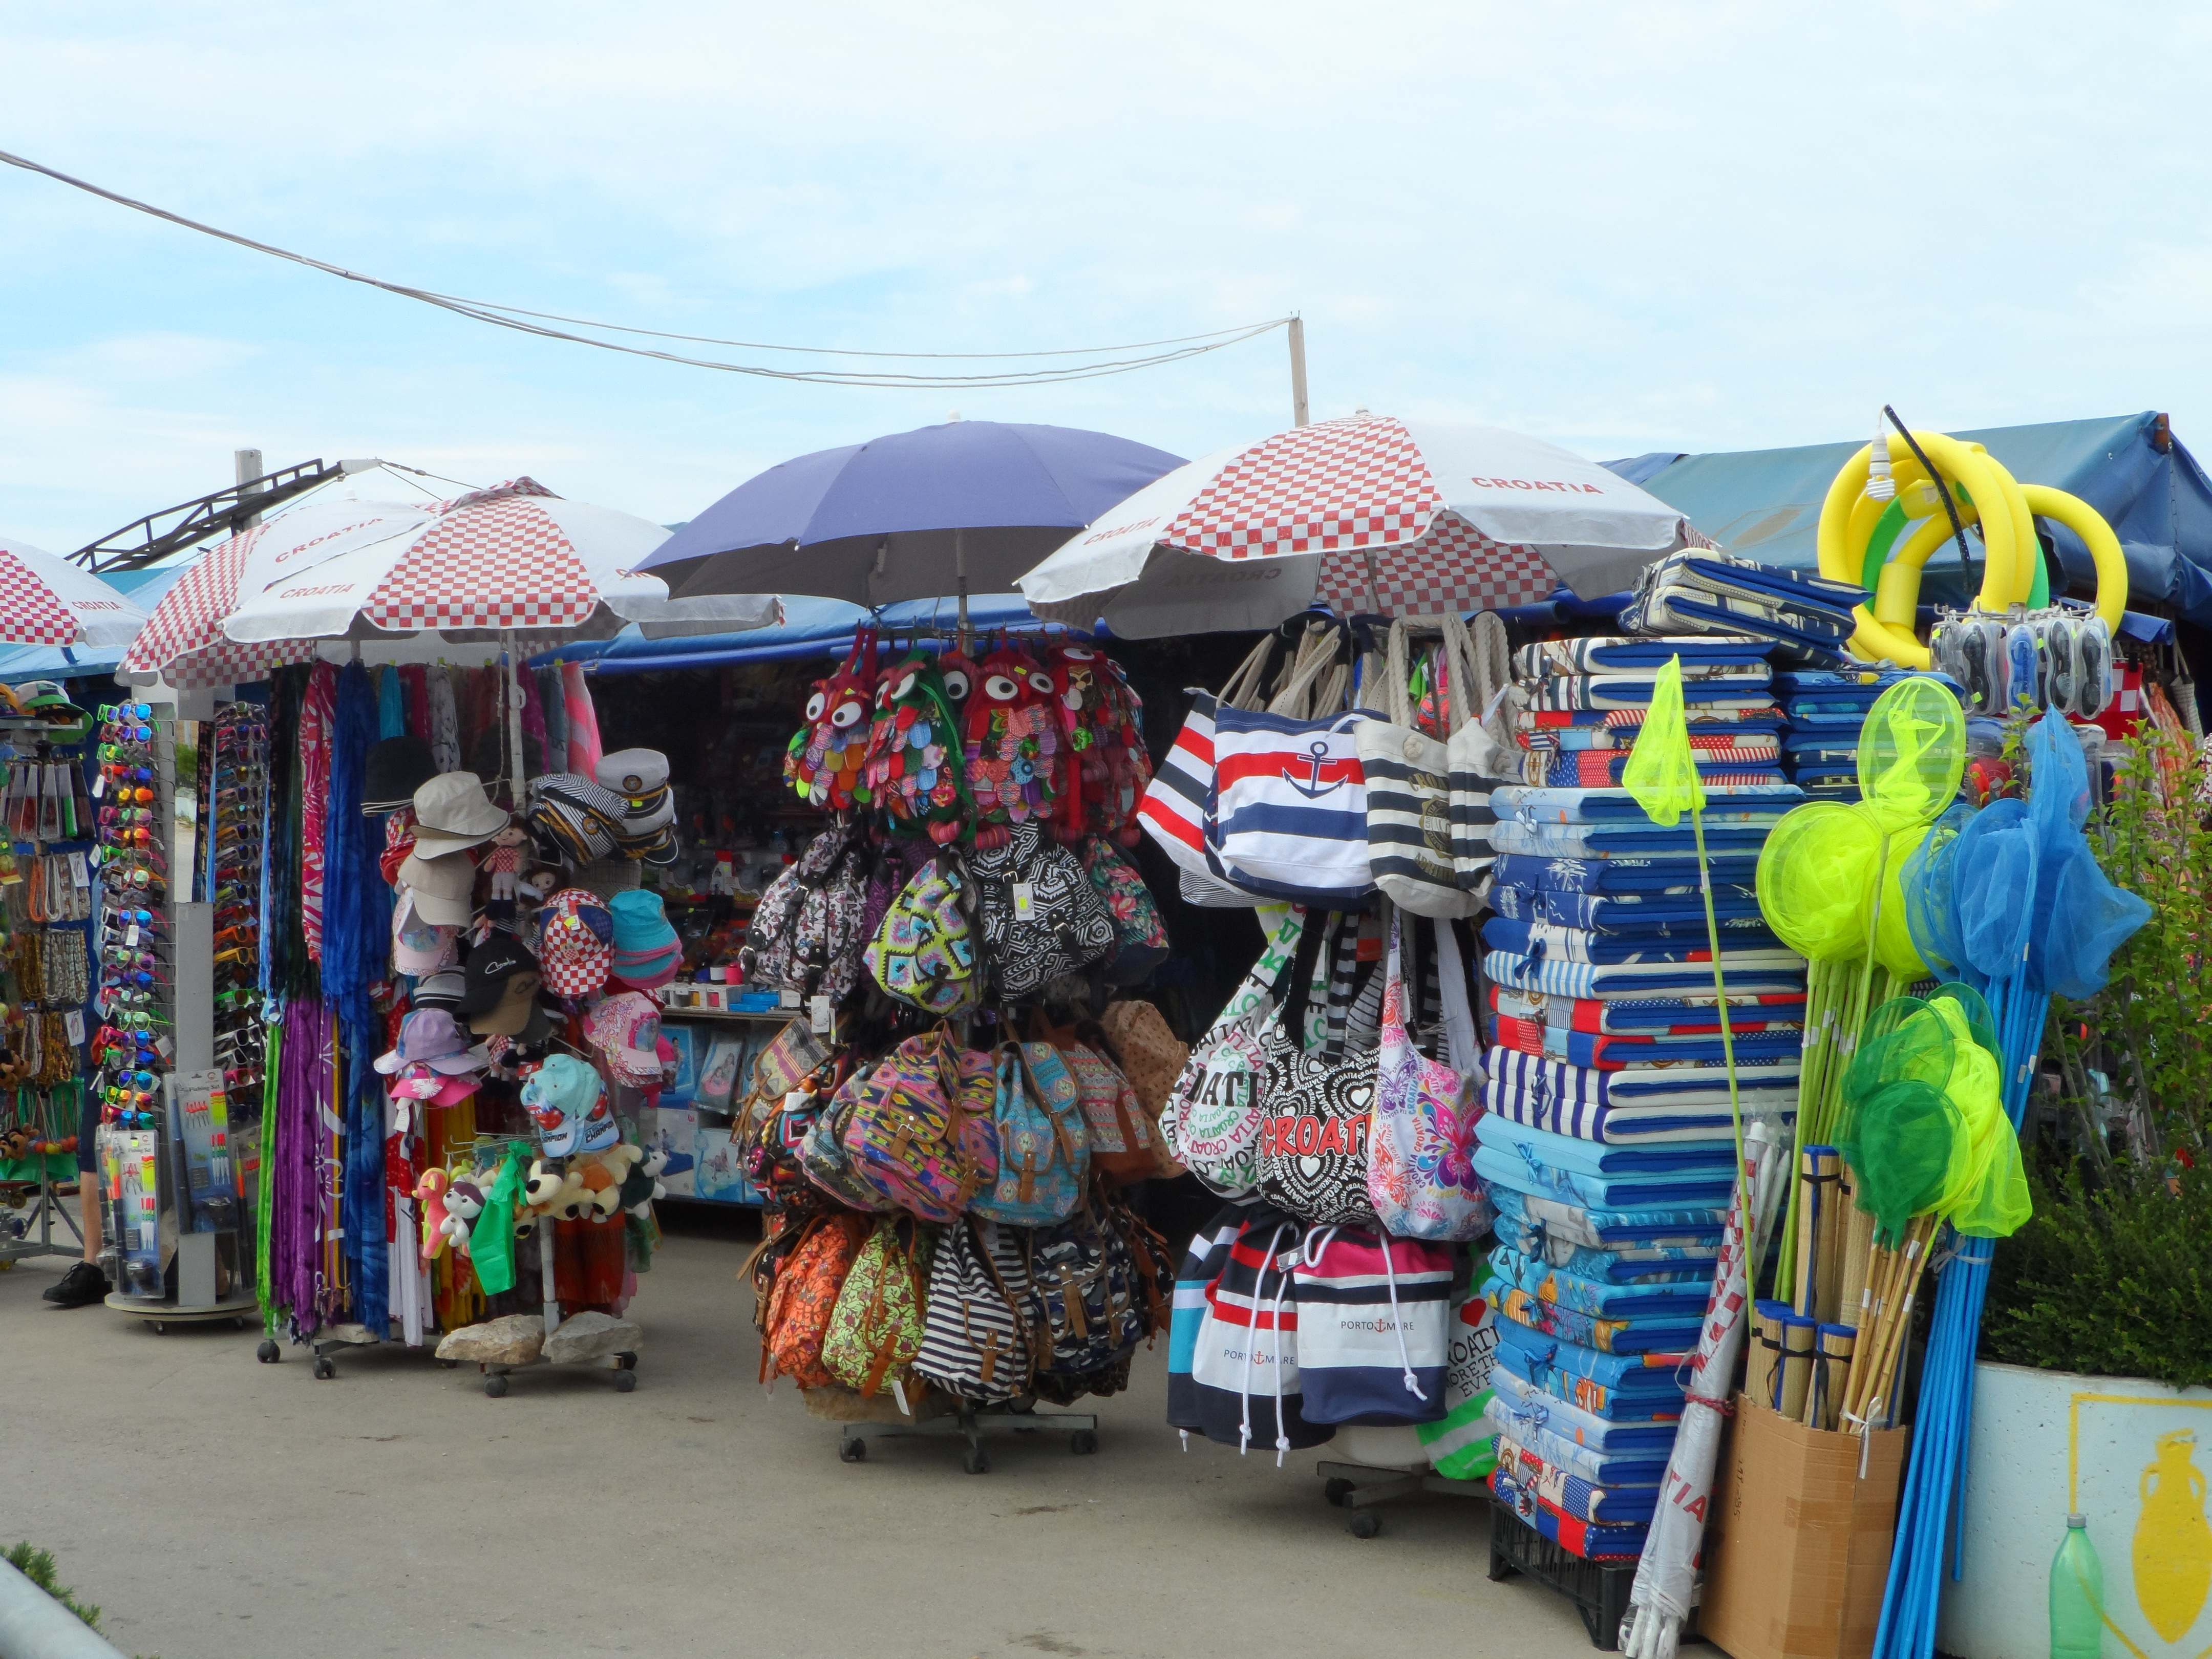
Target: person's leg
85	1283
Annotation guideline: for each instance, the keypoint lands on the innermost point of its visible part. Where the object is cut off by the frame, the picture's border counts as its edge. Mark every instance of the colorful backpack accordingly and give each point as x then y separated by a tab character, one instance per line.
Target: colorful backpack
976	1342
875	1330
821	1155
804	1295
1108	768
1122	1138
1013	743
1084	1299
1044	1156
924	953
1140	938
799	928
903	1136
823	762
914	770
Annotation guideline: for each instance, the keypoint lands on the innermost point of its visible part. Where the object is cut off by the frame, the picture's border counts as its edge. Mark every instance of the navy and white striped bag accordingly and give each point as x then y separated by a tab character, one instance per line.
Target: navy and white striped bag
1287	814
1374	1327
1244	1369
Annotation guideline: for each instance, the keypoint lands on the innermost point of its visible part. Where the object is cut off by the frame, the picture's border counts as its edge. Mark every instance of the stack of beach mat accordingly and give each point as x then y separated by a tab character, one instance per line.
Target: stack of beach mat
1607	1140
1805	617
1824	709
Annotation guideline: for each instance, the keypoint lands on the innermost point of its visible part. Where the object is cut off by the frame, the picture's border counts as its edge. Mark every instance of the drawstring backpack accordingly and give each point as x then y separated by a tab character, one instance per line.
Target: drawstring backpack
1420	1142
1244	1368
1373	1318
1202	1264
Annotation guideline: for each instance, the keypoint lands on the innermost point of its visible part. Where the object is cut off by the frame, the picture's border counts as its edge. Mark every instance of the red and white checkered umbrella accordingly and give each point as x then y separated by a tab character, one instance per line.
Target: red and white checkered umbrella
44	600
1370	513
512	559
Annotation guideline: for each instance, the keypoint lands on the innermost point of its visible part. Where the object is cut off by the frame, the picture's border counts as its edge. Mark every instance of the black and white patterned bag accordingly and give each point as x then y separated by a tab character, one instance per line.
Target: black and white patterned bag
976	1341
1314	1107
1041	917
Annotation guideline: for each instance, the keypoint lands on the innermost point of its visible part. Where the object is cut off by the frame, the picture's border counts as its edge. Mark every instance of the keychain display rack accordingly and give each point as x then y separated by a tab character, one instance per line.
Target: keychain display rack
166	1134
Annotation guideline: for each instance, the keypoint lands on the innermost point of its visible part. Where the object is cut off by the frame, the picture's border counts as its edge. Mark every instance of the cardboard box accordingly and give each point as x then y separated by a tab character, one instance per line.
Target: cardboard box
1797	1552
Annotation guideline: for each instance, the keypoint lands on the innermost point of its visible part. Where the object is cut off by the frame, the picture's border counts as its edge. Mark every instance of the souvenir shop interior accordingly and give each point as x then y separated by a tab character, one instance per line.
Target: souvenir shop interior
1461	1043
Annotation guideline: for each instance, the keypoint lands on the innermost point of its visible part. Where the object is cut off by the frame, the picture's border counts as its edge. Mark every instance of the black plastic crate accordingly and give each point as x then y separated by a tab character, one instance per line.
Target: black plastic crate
1599	1590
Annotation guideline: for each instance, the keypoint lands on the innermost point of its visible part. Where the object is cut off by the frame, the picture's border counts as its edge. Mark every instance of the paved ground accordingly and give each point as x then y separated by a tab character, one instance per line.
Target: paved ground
216	1507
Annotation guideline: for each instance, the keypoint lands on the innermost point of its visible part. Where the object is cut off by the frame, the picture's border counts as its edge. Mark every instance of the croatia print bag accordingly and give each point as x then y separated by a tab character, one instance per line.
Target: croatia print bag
1315	1106
1211	1122
1408	774
1421	1147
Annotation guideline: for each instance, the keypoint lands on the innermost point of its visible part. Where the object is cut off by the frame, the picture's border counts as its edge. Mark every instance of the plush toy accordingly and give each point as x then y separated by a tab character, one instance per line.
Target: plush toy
504	861
605	1187
546	1175
1013	743
430	1194
464	1202
641	1185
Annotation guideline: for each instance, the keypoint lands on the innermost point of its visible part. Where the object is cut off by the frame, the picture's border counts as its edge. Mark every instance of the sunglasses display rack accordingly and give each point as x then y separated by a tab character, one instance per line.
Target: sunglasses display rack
46	887
237	766
166	1135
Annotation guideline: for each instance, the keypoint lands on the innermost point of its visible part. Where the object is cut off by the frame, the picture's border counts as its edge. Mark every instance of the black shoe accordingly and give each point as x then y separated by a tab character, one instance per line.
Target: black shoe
81	1286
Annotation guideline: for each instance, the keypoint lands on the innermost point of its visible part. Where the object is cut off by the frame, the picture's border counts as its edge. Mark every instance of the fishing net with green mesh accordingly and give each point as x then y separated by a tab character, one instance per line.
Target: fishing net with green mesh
1913	750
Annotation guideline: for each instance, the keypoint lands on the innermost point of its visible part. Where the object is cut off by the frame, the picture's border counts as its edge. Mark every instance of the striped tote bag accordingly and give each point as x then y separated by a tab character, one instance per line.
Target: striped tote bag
1173	809
1410	846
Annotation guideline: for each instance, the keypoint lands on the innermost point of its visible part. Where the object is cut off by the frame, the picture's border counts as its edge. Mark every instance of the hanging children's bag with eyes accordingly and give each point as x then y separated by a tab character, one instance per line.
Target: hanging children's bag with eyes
916	768
1108	769
823	761
1013	743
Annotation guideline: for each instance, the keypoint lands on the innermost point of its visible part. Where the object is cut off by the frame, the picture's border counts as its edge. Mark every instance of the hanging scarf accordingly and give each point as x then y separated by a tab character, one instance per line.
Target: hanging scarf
445	732
391	704
554	700
272	1150
286	969
317	711
583	721
415	691
300	1184
533	728
356	928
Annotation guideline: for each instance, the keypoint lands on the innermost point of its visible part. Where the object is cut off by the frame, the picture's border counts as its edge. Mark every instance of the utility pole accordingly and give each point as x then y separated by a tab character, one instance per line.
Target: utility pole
1297	333
249	468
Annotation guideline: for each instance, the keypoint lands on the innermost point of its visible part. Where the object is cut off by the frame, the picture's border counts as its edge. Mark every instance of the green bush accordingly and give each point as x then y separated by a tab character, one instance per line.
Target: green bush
2115	1280
2113	1273
37	1566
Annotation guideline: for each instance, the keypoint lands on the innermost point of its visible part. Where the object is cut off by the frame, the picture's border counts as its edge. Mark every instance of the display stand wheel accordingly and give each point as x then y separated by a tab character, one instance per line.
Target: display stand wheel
1335	1491
854	1450
626	1361
625	1380
1363	1523
325	1369
976	1461
495	1385
1083	1442
269	1353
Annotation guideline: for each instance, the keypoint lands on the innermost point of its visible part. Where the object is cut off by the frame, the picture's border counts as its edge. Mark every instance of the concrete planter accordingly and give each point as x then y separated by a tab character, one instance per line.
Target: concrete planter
2126	1454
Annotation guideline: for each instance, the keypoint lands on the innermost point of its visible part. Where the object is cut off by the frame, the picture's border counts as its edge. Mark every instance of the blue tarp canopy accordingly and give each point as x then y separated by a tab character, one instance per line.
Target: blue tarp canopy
1766	503
811	628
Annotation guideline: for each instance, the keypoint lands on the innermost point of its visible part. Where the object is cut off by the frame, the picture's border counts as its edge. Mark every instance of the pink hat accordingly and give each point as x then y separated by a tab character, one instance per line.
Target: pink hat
420	948
423	1083
625	1028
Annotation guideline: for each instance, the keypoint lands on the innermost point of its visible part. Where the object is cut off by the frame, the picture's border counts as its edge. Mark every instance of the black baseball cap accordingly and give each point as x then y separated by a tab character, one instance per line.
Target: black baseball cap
488	969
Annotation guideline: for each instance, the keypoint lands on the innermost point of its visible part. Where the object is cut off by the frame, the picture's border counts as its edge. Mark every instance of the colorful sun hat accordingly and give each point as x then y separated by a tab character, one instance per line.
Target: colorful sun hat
575	934
432	1037
625	1028
421	947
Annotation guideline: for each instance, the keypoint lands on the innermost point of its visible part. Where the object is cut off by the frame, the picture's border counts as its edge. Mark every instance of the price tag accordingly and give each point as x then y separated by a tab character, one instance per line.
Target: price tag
130	938
74	1020
1025	900
164	1048
99	786
787	999
820	1017
79	873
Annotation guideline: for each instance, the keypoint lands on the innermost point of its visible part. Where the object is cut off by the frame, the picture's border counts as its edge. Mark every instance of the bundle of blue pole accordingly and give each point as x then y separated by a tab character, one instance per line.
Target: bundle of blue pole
1991	910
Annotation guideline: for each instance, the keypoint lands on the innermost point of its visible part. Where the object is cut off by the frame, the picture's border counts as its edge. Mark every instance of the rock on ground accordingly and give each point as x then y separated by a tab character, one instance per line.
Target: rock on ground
515	1339
591	1336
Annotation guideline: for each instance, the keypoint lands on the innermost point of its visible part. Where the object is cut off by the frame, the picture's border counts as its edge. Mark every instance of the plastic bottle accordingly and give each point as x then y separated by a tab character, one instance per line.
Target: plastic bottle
2077	1595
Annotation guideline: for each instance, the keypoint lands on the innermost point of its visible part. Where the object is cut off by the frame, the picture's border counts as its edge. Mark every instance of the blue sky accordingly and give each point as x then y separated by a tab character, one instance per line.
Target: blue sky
1623	227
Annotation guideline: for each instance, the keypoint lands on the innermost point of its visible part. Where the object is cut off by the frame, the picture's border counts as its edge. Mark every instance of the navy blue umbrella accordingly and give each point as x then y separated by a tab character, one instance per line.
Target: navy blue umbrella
912	516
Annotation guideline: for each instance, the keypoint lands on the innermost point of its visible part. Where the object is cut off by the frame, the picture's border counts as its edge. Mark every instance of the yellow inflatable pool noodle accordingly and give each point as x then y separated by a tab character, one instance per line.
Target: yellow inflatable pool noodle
1874	639
2084	521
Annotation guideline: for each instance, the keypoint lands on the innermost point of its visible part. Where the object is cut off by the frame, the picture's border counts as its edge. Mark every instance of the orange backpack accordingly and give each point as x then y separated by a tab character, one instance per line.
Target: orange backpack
804	1295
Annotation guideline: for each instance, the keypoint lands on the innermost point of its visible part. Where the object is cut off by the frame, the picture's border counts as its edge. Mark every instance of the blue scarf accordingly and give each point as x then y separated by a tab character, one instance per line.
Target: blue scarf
356	927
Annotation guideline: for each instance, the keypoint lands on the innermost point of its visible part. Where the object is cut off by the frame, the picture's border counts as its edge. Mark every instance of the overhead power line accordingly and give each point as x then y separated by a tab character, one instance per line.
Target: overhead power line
1153	353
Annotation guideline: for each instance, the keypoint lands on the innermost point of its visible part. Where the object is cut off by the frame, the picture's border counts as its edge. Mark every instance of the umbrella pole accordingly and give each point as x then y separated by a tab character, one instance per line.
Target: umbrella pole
515	778
960	576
